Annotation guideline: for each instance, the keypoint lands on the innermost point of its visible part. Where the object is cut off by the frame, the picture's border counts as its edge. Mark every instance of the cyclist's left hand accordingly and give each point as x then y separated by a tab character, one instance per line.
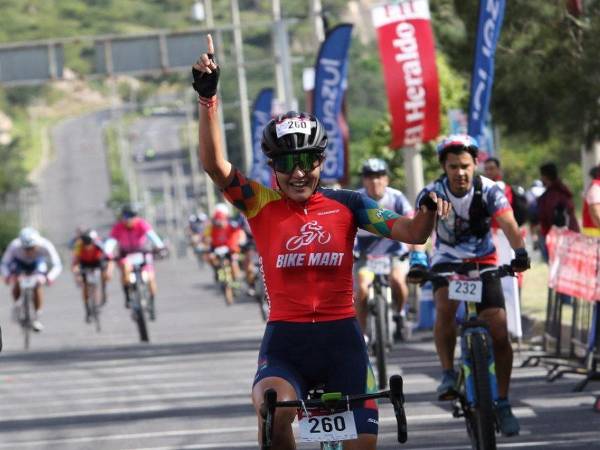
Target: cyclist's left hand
521	262
162	253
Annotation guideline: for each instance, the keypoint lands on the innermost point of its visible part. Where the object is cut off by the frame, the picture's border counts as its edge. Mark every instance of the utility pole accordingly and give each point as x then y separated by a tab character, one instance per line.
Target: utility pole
242	84
208	11
192	148
413	170
279	82
316	19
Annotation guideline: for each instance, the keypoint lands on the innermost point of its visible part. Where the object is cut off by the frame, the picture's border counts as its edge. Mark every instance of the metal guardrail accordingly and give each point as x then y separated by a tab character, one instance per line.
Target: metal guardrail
570	348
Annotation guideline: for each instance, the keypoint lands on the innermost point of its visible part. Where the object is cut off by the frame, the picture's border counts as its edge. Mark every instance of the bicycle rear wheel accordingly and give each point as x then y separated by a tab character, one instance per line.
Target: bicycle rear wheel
481	423
380	339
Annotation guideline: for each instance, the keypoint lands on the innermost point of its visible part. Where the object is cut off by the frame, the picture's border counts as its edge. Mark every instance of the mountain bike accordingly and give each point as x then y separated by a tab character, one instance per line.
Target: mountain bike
379	304
477	387
327	417
27	284
141	301
92	285
225	273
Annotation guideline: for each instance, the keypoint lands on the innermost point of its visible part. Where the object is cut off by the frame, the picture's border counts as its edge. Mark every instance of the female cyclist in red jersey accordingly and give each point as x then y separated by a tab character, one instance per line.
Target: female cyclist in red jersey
304	235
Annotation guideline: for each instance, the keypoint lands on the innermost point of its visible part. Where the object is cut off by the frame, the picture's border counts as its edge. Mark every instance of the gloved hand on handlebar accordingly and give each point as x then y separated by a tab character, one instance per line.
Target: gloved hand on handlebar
419	264
161	253
521	262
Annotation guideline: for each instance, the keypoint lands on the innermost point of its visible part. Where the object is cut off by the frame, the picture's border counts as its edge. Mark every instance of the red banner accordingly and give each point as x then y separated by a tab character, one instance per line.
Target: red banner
574	264
407	52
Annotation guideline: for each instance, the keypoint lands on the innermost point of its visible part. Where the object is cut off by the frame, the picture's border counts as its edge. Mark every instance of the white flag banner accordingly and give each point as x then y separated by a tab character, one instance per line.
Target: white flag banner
510	285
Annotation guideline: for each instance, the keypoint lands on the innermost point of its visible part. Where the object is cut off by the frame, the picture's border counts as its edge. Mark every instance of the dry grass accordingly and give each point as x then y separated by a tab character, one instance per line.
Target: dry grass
535	291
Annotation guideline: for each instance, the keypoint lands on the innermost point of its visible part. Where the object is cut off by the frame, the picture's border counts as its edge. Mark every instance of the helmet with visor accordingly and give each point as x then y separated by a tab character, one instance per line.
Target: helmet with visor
374	167
294	140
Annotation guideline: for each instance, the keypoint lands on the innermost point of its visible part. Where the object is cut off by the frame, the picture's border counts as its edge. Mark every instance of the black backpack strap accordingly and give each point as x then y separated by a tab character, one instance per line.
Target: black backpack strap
478	214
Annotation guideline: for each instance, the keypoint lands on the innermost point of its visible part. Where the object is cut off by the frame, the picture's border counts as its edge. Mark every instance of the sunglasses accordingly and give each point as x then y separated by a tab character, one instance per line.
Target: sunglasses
306	162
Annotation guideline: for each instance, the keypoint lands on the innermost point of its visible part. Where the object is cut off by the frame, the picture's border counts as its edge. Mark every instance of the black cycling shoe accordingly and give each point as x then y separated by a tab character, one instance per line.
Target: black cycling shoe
399	335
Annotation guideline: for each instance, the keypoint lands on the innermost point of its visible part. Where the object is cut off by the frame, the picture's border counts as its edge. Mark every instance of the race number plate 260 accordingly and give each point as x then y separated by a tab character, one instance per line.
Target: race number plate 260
334	427
465	289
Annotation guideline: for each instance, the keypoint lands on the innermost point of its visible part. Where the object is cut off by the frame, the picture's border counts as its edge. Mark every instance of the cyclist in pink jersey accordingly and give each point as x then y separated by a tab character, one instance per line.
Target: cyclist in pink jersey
132	234
304	235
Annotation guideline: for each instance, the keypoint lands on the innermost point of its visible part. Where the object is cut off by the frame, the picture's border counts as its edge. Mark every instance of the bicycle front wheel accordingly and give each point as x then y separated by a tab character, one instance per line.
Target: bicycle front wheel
481	419
93	302
140	317
380	339
26	317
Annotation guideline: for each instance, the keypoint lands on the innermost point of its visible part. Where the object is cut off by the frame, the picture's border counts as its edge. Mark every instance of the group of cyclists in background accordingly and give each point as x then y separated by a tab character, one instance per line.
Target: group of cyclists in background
31	253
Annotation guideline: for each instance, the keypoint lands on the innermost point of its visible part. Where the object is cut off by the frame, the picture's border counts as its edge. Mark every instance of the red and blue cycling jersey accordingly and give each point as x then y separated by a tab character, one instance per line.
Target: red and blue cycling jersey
306	248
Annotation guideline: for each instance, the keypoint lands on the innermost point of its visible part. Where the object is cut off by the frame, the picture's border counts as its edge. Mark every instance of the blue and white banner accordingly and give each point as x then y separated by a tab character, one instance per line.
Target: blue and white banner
491	13
330	86
261	114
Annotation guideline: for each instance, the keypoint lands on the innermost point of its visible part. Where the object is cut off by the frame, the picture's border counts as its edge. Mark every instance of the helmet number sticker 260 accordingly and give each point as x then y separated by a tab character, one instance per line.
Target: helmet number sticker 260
295	125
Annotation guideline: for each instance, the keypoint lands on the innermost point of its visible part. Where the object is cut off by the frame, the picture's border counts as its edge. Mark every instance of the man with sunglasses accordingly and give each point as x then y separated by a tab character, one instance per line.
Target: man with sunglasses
464	238
30	253
304	235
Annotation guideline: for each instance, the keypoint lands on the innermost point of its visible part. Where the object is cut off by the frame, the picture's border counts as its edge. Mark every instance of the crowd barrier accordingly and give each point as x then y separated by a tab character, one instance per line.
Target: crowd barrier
571	341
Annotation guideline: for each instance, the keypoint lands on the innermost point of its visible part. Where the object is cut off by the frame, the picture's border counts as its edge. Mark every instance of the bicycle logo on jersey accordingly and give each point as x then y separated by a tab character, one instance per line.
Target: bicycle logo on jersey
308	233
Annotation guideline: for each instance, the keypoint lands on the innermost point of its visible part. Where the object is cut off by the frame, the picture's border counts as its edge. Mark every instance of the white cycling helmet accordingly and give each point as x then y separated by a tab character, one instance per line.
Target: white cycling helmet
29	237
222	208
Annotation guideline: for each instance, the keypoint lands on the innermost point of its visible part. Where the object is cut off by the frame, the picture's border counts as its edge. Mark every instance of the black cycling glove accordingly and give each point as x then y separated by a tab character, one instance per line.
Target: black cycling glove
521	262
205	84
429	203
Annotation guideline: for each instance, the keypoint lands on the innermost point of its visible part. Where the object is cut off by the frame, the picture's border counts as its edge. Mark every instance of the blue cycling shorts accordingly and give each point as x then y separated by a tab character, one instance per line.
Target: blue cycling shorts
332	354
17	266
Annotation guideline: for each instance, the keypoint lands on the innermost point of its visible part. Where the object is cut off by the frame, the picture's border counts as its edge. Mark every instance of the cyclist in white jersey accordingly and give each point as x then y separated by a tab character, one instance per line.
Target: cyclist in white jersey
30	253
464	238
375	178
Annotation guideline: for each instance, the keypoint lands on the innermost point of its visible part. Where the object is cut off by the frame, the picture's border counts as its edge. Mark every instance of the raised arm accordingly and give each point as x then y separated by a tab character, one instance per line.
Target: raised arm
206	78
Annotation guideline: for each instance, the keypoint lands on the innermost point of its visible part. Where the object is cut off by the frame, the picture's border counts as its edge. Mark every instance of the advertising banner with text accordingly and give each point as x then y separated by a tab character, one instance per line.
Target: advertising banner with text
331	72
491	13
407	50
261	114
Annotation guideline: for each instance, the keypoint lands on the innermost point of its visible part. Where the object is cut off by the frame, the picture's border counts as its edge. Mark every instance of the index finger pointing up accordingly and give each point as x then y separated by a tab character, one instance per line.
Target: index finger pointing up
210	48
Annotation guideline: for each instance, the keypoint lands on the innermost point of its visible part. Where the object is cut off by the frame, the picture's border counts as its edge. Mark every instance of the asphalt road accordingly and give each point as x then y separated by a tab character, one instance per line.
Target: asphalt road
189	387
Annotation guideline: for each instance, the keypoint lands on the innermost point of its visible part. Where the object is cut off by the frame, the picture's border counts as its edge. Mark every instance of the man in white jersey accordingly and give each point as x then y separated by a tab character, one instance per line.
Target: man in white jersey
464	239
30	253
375	179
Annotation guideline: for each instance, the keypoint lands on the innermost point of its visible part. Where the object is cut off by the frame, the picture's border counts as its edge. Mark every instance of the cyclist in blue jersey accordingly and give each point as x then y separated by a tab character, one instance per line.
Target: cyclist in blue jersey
464	238
375	179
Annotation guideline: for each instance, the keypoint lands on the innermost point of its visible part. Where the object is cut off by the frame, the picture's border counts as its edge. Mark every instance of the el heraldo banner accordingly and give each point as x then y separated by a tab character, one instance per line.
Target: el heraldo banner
408	56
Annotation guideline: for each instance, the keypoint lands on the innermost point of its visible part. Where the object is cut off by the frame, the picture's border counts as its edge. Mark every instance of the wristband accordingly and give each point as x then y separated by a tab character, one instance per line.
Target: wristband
207	102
